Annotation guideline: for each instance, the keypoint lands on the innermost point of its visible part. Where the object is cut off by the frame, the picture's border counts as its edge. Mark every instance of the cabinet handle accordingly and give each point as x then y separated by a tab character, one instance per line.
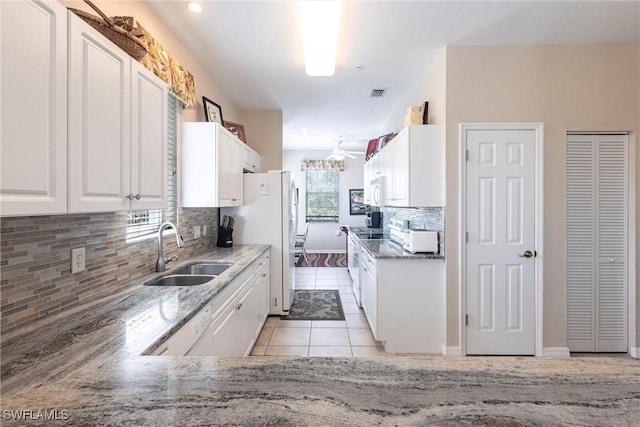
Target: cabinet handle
129	196
138	197
264	274
239	306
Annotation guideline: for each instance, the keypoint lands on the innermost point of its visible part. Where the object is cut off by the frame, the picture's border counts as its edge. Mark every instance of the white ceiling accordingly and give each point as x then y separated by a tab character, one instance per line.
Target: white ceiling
253	50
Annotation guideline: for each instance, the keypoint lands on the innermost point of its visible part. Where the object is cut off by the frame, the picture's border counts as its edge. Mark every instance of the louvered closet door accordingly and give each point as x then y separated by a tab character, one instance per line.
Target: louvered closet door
596	242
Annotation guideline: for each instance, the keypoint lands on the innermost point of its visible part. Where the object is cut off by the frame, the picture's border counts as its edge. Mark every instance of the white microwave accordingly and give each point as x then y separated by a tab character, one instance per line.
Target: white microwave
376	188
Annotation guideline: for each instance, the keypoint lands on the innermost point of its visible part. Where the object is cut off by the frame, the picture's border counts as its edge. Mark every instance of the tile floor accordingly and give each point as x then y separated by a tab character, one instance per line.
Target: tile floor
338	338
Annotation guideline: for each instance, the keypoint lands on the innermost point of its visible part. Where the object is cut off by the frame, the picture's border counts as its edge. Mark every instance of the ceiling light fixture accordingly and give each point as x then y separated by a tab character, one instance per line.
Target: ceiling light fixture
194	6
320	24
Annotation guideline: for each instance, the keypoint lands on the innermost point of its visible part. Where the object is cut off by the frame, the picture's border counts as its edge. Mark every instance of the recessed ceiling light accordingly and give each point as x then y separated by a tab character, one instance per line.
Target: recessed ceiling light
194	6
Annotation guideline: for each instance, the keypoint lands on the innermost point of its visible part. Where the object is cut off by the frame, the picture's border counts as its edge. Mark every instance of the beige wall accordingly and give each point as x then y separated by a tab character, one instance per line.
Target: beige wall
567	88
264	134
432	87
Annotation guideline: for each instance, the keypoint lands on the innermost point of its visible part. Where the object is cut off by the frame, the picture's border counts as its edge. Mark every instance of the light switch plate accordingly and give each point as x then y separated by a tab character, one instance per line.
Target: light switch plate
196	231
77	260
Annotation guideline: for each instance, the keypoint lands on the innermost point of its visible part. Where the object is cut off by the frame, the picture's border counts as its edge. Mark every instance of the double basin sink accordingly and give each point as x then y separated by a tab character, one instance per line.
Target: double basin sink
192	274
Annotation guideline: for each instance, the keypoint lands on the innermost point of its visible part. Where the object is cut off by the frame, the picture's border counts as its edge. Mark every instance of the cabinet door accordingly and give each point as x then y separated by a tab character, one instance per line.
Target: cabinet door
369	289
219	339
148	139
33	141
256	161
228	165
199	164
246	158
246	332
237	172
367	182
262	297
99	129
399	170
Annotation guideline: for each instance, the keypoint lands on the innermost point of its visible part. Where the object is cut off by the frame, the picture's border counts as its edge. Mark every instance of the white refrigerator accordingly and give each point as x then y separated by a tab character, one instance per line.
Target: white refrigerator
269	215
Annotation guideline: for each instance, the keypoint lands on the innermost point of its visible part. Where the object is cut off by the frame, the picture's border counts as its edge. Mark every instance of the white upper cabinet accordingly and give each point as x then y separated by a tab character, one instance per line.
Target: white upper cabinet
251	160
413	166
148	138
117	134
33	75
229	169
211	166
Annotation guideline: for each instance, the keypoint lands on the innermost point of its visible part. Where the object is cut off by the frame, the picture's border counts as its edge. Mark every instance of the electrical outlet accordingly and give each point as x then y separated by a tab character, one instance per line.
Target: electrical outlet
204	230
77	260
196	231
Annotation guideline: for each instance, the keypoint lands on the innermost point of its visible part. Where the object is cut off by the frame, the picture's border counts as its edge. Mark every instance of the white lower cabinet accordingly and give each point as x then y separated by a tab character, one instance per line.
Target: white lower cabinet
369	291
403	300
230	324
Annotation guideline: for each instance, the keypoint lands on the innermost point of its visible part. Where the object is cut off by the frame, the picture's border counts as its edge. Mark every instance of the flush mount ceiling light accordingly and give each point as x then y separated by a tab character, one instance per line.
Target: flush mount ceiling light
320	24
194	6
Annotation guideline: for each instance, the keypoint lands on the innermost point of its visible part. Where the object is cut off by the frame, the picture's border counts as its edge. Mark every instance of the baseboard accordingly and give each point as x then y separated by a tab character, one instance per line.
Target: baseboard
634	352
556	352
452	351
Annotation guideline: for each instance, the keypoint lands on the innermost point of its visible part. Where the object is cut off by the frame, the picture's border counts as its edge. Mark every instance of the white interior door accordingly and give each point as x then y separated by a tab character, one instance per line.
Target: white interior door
500	267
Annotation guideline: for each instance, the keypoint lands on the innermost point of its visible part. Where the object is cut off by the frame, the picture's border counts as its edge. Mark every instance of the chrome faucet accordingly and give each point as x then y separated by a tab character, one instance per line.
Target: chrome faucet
162	261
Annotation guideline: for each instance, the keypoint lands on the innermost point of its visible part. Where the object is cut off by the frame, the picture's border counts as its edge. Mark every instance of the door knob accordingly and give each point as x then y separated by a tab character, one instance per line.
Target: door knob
526	254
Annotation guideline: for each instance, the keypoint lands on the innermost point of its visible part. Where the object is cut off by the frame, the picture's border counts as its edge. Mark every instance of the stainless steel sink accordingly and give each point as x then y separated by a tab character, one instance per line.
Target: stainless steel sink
212	268
180	280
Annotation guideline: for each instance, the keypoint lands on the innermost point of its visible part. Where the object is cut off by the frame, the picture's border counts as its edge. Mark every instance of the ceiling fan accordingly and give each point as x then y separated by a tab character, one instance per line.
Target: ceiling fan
339	154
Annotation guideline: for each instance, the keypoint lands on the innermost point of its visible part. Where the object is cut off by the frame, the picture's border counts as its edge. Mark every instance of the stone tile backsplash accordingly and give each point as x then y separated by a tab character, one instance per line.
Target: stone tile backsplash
35	259
431	218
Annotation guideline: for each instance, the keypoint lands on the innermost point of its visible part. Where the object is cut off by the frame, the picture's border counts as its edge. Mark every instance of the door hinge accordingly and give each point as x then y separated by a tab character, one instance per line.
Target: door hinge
275	301
466	236
466	319
467	155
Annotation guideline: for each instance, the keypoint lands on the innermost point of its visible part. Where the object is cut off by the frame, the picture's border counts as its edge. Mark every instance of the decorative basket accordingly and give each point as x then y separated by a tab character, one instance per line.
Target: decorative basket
126	40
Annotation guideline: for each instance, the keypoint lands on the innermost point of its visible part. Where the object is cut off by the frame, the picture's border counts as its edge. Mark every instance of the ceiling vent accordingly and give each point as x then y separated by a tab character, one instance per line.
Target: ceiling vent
377	93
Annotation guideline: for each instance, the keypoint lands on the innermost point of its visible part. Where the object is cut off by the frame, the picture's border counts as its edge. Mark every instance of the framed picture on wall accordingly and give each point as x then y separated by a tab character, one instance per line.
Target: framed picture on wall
356	201
212	111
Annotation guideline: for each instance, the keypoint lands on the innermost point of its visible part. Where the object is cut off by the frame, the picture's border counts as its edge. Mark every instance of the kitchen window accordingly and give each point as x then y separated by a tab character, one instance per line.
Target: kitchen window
323	189
143	224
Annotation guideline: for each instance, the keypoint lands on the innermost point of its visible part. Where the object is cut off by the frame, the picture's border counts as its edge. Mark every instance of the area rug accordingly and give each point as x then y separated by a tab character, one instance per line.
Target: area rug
316	305
323	260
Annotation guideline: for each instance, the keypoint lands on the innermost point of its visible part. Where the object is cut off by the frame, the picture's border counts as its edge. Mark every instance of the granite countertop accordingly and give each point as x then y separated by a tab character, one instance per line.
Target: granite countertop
84	367
384	248
113	329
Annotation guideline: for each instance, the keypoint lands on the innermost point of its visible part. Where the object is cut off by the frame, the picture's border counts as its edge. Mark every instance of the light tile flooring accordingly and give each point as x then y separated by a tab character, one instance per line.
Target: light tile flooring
335	338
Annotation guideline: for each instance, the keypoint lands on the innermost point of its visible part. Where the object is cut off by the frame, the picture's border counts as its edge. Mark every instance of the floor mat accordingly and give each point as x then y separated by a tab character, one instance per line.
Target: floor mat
316	305
323	260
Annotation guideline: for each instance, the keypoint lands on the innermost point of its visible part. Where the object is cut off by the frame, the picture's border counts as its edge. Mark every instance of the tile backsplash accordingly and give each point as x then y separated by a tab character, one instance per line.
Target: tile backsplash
431	218
35	259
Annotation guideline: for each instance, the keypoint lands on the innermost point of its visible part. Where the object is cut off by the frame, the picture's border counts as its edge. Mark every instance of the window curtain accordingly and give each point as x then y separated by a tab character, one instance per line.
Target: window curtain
322	165
163	64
